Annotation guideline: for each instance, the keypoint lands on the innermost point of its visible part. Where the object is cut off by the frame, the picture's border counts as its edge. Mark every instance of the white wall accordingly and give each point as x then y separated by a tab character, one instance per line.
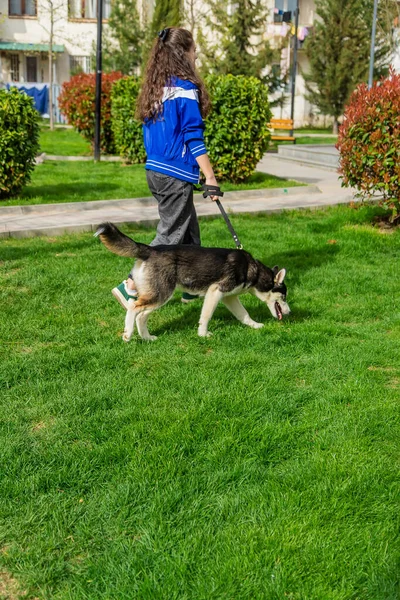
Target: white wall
77	37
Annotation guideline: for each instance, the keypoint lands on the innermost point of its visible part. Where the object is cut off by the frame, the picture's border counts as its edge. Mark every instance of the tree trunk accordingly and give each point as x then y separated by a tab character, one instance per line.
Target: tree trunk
335	128
51	69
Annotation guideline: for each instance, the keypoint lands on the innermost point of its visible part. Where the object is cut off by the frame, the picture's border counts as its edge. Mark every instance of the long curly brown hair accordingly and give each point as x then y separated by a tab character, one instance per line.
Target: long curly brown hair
169	58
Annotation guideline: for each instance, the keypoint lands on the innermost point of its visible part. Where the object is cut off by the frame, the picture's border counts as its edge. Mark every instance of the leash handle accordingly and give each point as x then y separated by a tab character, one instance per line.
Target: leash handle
211	190
230	227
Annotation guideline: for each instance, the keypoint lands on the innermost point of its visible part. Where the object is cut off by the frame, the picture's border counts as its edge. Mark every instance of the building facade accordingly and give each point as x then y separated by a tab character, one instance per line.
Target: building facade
25	27
25	31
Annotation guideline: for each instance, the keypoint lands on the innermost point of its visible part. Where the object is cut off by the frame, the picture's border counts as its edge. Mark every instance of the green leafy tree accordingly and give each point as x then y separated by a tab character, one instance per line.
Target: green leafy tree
239	48
167	13
123	43
338	51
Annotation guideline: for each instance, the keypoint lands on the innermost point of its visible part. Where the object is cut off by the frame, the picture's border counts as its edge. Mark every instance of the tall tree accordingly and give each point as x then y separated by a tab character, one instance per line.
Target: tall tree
338	52
167	13
123	42
233	27
239	48
53	18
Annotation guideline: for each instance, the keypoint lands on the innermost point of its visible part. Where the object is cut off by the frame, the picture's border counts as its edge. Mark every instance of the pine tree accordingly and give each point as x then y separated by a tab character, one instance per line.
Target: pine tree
167	13
338	51
123	44
236	29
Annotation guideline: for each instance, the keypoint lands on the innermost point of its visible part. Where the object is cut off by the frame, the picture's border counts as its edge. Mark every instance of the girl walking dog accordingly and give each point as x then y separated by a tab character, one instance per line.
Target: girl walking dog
172	105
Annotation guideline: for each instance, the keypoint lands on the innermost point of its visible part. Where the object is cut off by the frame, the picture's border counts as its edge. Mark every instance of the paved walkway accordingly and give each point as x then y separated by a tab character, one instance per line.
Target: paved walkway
55	219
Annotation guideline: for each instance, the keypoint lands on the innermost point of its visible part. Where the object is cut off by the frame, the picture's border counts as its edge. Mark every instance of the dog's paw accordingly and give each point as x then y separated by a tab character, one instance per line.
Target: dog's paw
150	338
256	325
126	337
204	333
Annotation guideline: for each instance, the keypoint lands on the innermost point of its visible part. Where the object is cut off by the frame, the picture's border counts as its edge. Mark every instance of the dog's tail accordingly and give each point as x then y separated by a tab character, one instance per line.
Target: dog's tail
121	244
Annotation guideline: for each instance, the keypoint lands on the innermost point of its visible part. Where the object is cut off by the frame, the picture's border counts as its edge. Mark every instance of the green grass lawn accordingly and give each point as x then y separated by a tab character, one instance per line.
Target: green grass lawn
305	139
63	142
306	129
251	465
58	181
317	141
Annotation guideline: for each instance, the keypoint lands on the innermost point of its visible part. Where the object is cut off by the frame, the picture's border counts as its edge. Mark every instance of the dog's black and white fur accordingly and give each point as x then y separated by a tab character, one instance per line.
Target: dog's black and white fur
218	274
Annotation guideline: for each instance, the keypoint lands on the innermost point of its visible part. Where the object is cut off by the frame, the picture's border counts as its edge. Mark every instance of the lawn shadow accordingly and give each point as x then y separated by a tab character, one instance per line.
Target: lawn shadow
297	261
83	190
54	245
189	317
298	315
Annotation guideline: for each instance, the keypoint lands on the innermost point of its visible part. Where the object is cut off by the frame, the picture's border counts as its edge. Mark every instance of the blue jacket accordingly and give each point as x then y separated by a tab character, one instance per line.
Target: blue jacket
174	140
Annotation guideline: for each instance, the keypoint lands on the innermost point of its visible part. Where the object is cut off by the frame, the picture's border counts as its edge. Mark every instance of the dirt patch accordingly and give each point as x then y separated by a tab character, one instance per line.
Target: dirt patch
41	425
9	588
394	383
102	323
383	224
11	272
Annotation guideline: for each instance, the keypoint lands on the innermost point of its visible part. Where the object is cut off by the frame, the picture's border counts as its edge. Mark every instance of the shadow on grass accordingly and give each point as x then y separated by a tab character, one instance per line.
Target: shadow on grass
54	246
297	261
56	193
189	317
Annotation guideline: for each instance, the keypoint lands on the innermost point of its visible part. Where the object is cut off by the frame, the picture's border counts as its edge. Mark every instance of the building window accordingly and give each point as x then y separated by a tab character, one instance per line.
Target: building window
31	69
87	9
22	8
14	67
286	5
80	64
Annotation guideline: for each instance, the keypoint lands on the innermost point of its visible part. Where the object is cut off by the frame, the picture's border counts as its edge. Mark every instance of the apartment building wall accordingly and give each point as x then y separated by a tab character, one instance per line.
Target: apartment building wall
74	36
75	33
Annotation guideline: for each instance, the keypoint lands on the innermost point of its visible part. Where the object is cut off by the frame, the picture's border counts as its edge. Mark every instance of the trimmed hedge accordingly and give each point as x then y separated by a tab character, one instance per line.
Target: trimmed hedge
127	131
369	142
19	141
236	132
77	103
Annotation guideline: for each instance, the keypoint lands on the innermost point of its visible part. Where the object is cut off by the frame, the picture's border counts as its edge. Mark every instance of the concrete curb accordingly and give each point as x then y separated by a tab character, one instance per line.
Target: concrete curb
21	209
323	156
204	211
309	163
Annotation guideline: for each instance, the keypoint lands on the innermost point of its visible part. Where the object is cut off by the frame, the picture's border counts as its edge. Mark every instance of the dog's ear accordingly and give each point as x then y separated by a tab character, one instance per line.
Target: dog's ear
280	276
275	269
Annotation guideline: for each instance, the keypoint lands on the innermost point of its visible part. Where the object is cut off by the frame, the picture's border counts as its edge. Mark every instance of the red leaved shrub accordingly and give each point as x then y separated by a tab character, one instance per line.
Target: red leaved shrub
369	142
77	102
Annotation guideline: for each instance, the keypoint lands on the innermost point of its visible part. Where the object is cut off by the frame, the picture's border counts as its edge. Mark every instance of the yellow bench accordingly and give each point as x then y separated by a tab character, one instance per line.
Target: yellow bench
282	125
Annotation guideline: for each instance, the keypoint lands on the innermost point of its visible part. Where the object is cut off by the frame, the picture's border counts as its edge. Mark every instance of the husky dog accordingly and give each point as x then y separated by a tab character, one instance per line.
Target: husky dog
218	274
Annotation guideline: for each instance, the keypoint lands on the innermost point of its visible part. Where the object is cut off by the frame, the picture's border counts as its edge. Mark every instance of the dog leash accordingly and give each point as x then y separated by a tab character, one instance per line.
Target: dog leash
213	190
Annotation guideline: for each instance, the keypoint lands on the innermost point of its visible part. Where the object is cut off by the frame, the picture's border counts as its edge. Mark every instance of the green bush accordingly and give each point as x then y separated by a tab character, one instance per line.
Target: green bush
127	131
236	133
19	141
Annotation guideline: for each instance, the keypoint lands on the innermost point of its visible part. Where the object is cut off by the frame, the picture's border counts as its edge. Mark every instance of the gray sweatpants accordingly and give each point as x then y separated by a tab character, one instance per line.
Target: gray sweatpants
178	220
